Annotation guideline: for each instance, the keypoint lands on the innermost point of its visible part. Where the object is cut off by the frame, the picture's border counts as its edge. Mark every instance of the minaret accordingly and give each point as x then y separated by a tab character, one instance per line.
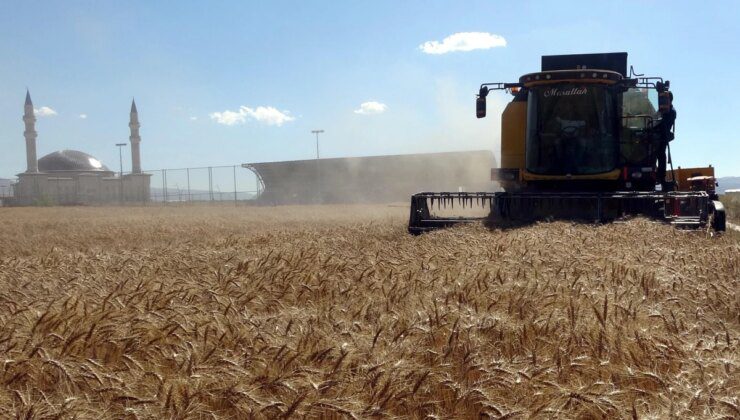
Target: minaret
29	118
135	139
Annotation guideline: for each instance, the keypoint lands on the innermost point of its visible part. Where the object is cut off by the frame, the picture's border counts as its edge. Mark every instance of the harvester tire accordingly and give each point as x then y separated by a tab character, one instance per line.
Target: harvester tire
719	219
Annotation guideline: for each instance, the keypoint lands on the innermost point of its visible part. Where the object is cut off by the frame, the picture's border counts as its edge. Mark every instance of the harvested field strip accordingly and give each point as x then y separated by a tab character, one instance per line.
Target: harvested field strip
337	312
732	207
734	215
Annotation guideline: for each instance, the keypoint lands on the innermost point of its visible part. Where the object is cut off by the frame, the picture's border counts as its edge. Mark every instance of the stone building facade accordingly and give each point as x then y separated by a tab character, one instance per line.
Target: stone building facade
71	177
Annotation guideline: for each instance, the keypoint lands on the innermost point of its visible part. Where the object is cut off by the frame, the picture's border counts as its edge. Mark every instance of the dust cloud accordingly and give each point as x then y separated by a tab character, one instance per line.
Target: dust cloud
373	179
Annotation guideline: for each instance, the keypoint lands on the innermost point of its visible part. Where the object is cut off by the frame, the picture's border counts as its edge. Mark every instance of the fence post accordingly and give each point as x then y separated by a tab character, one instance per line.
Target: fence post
144	192
210	183
190	198
164	186
235	200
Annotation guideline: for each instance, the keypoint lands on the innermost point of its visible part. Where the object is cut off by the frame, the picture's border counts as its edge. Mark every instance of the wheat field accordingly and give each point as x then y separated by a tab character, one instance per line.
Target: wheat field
335	312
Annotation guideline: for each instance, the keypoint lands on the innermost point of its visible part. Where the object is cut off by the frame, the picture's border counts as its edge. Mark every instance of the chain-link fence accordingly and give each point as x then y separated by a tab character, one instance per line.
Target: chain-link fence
217	184
6	190
203	184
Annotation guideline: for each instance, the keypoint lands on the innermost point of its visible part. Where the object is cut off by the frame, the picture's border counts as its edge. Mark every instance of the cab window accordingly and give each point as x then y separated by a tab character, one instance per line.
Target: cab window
639	108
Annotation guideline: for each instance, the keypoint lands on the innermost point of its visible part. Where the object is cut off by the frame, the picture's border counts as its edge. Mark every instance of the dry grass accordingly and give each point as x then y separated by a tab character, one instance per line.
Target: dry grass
337	312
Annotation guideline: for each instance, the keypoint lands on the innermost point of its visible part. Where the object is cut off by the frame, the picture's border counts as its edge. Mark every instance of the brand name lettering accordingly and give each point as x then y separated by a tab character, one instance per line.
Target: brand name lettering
565	92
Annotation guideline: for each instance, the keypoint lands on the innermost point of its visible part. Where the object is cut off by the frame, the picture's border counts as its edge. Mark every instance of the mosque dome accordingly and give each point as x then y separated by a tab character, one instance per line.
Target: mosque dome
71	161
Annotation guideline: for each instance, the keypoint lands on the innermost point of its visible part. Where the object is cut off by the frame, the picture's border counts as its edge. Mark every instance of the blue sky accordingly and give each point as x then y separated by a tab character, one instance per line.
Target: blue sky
193	67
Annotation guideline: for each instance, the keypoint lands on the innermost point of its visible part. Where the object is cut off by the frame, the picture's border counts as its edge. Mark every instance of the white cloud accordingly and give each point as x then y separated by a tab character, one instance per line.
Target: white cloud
264	114
83	116
193	118
464	41
372	107
44	111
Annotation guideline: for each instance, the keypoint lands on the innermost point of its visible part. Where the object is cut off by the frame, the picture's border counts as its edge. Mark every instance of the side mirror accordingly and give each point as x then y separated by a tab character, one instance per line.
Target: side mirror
480	106
480	102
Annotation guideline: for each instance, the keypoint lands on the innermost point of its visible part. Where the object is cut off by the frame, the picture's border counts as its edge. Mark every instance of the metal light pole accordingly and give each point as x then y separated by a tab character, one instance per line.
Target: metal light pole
120	159
319	183
317	132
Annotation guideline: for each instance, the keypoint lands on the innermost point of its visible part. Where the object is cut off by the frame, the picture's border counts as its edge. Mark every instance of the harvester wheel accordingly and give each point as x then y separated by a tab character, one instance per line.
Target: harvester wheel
718	216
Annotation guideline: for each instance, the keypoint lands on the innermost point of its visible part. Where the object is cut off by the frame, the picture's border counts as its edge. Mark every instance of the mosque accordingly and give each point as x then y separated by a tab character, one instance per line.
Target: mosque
71	177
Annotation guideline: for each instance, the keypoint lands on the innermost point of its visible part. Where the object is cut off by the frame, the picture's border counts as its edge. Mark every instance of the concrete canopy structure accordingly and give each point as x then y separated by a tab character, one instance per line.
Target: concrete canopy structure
72	177
372	179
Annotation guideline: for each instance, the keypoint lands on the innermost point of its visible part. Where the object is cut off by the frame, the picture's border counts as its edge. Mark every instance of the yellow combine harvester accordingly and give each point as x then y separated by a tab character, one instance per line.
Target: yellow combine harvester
584	140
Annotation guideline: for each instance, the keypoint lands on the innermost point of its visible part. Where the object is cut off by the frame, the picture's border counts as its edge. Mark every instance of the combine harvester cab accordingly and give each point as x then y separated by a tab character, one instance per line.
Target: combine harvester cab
583	140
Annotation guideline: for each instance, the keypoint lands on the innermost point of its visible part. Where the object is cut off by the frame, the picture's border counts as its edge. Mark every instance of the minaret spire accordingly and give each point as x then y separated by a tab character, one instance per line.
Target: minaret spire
135	138
32	165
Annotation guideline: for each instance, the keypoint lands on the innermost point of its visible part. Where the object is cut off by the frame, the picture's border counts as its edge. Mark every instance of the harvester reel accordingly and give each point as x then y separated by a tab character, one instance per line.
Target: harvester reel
684	209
